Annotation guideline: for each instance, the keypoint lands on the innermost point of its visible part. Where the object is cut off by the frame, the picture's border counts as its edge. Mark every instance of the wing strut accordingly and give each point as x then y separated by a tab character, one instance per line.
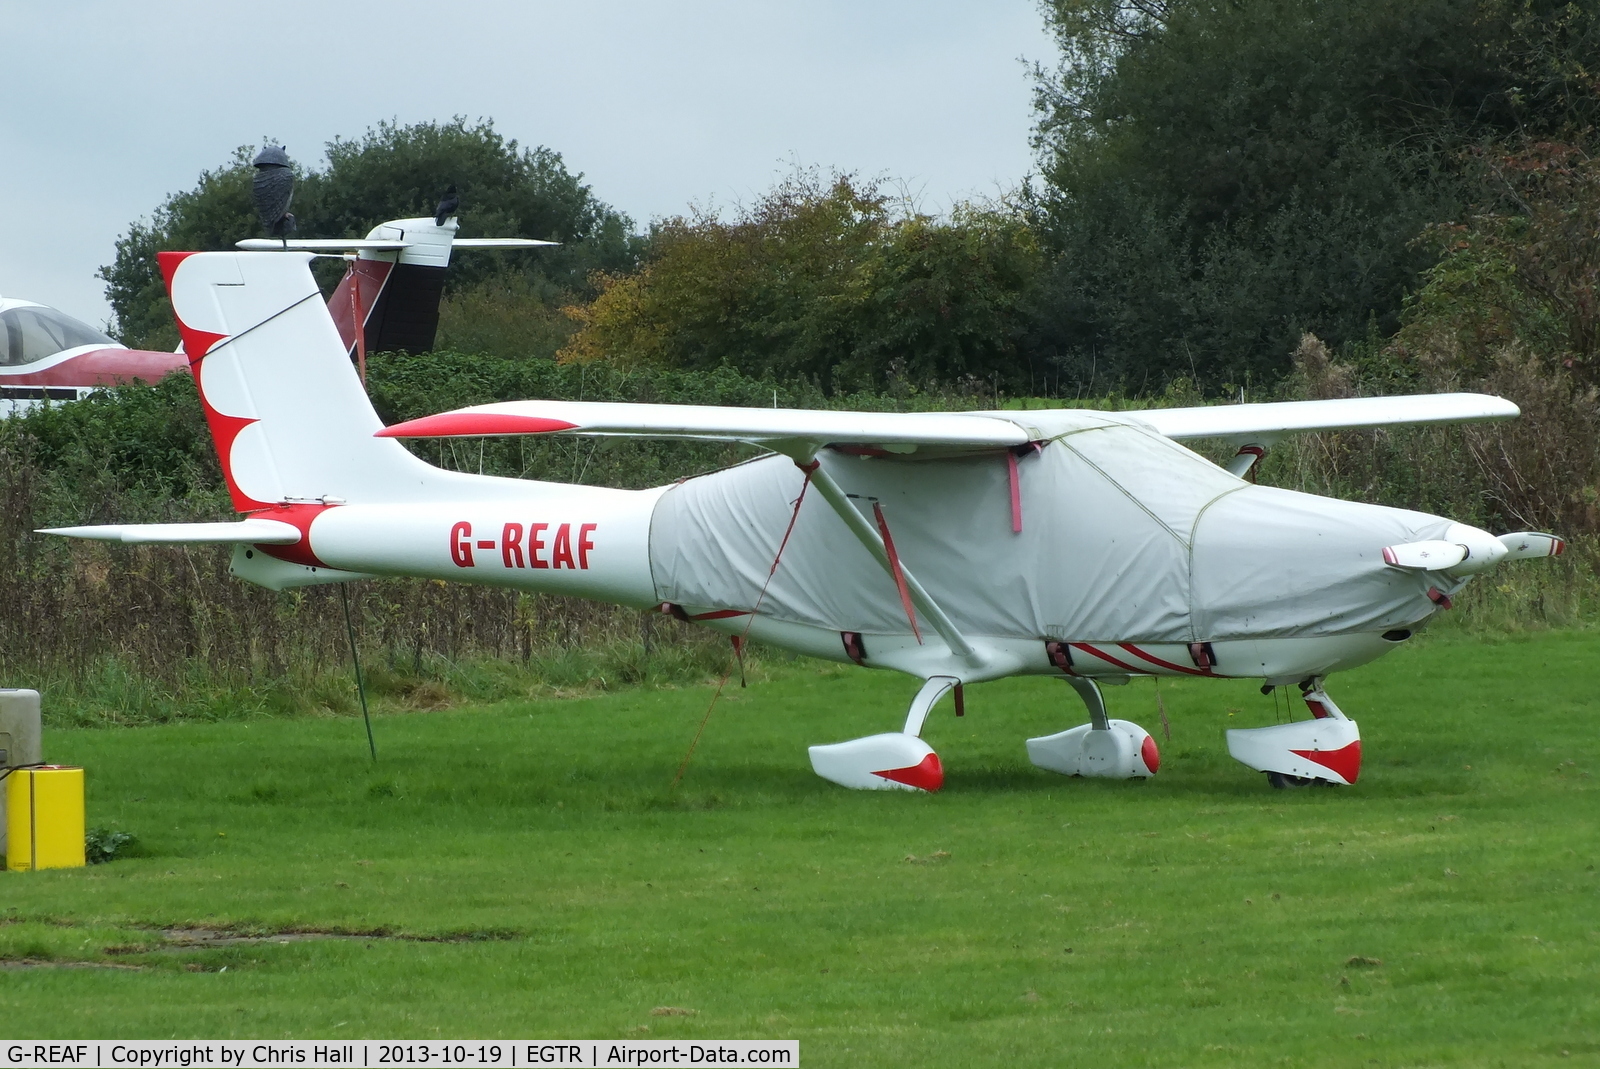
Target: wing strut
859	526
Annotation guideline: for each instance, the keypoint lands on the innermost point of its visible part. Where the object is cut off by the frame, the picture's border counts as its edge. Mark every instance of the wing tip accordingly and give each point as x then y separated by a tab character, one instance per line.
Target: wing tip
473	424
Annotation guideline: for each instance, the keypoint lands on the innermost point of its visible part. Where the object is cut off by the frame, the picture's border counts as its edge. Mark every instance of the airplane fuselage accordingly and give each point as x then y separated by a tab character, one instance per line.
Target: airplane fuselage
595	543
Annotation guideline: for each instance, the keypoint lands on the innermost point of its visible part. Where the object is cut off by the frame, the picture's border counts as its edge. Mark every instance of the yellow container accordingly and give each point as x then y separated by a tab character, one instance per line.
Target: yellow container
44	818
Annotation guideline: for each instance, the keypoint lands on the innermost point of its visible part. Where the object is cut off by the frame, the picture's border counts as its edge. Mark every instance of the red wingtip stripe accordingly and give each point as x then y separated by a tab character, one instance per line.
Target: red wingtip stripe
467	424
1557	547
1389	557
925	775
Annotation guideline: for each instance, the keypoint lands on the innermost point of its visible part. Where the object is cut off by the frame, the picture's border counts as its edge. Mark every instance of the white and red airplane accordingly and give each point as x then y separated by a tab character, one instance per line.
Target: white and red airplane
954	547
391	289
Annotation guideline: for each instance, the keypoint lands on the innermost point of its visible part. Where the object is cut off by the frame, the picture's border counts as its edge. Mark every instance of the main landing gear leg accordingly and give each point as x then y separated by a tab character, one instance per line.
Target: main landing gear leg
1117	749
1324	749
893	761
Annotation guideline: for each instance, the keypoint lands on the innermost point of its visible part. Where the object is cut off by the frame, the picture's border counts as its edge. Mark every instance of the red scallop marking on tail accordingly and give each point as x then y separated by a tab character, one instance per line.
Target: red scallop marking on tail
1150	755
1346	761
926	775
168	262
196	343
224	429
466	424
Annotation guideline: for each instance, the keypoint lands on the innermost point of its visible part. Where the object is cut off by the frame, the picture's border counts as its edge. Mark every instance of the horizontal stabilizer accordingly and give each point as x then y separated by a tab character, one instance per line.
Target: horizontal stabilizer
378	244
1264	423
321	245
253	531
501	243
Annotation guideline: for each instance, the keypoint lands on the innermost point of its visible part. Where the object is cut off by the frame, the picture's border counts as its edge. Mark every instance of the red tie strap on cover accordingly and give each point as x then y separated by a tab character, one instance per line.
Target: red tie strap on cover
894	567
1251	451
1016	491
1059	655
357	322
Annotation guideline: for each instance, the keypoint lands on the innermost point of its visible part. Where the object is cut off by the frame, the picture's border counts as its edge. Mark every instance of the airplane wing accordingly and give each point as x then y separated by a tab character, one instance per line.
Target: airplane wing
758	426
1257	423
1263	423
254	531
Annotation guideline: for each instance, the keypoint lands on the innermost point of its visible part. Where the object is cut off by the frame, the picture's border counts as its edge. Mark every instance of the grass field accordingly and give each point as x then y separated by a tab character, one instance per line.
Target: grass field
524	869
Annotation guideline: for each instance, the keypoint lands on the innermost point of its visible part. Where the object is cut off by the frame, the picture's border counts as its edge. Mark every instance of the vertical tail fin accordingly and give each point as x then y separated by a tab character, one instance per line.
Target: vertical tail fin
397	292
287	412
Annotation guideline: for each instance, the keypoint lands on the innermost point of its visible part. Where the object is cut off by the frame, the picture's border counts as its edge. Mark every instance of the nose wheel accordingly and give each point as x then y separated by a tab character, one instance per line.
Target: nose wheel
1324	749
1282	781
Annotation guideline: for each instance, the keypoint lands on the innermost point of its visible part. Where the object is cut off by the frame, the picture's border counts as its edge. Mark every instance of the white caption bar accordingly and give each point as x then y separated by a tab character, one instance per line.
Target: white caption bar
397	1054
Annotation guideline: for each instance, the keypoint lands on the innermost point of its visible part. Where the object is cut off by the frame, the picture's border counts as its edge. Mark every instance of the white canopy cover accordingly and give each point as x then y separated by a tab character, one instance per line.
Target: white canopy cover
1126	536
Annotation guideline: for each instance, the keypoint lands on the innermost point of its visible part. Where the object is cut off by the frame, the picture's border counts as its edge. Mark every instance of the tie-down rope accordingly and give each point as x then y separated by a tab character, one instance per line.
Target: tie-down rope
739	642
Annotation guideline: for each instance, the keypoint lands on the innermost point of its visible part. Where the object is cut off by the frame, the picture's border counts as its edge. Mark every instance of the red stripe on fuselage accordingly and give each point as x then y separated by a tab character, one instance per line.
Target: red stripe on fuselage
101	367
1086	648
1137	652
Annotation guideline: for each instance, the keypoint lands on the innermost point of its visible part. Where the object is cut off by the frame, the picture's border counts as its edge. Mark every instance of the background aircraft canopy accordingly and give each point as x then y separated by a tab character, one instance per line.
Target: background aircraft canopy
30	332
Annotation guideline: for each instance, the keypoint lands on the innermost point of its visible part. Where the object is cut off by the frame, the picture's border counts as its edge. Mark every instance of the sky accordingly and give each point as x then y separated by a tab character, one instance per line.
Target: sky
109	106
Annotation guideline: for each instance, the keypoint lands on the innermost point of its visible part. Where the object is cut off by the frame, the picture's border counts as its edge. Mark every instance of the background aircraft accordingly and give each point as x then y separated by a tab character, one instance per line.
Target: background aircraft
391	289
954	547
388	299
46	355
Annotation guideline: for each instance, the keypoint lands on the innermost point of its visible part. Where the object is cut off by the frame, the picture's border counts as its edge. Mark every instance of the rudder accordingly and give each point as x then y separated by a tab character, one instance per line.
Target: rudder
288	415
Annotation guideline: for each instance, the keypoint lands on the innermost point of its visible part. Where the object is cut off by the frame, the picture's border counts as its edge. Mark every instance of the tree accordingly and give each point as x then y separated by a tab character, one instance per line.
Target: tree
1220	177
825	280
392	172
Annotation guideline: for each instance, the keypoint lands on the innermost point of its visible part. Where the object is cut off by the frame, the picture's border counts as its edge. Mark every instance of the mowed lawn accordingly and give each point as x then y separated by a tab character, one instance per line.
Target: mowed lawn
525	870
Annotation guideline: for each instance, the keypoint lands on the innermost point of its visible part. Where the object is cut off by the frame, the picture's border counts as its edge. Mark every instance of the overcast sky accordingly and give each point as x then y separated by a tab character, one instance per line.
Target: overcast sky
110	106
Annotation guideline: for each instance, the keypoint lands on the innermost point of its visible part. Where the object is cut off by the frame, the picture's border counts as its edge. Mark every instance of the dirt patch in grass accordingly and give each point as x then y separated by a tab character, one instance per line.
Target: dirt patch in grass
200	938
47	963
